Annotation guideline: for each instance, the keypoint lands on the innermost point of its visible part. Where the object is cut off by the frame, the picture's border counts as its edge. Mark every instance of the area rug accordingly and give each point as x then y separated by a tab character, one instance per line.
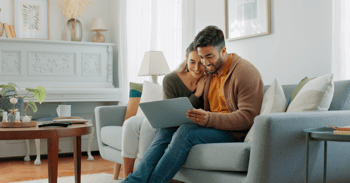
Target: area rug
90	178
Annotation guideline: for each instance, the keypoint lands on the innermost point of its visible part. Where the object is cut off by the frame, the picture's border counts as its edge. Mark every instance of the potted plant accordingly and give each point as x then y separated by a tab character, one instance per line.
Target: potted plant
9	92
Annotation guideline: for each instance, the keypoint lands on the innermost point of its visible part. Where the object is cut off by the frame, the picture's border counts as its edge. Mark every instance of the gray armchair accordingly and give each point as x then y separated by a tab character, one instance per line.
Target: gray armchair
277	152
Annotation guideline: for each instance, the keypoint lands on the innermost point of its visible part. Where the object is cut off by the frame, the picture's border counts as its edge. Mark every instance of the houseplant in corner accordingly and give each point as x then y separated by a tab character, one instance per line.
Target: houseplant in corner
9	91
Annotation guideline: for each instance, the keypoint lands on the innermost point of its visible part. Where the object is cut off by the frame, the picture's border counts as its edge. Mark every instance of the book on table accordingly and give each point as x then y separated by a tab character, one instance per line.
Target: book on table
344	130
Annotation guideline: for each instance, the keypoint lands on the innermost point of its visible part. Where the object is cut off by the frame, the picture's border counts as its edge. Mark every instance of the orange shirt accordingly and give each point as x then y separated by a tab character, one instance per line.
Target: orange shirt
216	96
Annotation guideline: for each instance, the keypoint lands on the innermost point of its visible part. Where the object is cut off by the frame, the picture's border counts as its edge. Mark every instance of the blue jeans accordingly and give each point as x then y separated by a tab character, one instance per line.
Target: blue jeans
169	150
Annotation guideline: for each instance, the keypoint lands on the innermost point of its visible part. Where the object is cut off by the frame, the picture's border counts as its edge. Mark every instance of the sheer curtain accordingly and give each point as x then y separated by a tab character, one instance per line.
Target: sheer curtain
341	40
161	25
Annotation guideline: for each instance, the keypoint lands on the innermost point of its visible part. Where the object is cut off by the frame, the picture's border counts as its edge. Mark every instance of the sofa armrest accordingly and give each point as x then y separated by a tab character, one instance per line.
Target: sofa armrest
278	151
108	116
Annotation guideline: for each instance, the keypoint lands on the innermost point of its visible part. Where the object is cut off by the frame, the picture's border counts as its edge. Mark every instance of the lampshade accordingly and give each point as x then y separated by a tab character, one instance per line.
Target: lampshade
154	63
98	24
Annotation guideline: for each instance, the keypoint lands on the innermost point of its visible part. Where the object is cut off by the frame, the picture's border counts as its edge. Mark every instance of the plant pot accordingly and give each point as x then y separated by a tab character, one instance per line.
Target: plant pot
75	29
6	105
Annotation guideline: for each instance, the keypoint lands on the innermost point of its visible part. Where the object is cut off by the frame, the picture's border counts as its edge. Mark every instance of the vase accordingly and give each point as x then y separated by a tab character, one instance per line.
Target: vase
65	35
1	29
6	105
75	29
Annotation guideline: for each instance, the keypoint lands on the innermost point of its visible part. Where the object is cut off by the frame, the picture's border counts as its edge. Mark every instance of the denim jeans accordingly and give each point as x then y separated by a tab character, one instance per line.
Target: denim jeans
169	150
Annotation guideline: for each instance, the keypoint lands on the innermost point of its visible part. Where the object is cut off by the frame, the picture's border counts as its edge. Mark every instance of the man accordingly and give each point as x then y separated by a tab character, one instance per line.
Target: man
234	92
232	98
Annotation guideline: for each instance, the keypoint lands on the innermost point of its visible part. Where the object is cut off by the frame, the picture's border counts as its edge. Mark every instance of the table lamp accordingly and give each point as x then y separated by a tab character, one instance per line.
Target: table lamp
154	64
98	25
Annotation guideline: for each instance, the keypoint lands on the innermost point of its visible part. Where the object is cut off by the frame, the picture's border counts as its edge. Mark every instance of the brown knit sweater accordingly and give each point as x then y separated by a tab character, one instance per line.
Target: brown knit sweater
243	92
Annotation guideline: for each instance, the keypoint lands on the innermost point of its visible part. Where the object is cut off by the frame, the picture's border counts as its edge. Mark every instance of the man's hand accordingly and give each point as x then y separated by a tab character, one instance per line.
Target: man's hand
199	116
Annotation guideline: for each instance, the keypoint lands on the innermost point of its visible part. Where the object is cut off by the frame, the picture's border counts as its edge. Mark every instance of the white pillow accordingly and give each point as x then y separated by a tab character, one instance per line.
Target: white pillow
150	92
315	95
274	101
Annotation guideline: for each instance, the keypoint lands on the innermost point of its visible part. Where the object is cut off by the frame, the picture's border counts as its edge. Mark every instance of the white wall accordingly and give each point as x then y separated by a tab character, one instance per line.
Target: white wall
57	20
300	43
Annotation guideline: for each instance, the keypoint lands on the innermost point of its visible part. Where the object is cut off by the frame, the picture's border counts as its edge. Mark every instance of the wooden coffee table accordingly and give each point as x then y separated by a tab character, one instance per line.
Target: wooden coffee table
52	134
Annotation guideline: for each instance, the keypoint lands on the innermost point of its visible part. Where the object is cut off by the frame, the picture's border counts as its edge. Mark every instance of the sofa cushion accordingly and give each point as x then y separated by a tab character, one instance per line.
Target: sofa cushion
112	136
341	98
150	92
315	95
219	156
273	101
300	86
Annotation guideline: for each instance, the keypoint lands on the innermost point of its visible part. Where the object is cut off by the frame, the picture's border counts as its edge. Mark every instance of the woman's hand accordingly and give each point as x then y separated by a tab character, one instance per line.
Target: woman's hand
200	85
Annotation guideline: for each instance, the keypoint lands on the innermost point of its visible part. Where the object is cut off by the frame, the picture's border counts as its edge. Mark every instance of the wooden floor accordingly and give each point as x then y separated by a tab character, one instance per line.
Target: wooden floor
15	169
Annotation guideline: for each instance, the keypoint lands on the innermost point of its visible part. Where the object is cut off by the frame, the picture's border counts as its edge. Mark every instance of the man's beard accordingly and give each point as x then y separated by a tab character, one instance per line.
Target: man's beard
217	66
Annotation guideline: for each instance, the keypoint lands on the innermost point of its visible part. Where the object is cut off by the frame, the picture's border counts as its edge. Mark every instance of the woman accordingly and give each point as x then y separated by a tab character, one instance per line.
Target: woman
186	81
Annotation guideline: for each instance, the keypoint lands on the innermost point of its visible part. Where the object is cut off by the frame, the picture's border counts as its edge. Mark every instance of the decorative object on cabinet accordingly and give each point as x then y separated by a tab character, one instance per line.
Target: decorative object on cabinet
13	33
75	29
246	19
154	64
31	18
1	29
7	30
72	10
98	25
65	35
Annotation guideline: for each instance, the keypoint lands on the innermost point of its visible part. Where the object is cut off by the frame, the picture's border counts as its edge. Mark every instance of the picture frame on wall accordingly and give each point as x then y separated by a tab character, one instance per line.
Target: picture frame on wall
247	18
31	19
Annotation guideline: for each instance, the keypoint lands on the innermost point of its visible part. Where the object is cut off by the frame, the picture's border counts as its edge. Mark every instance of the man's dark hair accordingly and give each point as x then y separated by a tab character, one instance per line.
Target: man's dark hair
210	36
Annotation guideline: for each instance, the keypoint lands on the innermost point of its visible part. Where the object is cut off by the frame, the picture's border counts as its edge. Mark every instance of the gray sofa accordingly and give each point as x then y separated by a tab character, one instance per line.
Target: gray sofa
276	155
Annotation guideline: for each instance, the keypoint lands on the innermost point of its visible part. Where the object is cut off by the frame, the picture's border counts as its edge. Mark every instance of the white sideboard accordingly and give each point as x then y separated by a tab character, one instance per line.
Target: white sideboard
69	71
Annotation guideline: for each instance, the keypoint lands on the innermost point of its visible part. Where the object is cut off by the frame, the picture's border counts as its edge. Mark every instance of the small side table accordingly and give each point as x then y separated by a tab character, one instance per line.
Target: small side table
37	142
321	134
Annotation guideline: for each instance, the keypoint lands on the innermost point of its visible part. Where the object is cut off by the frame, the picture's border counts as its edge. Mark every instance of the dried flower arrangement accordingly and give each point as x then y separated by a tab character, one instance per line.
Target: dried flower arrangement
74	8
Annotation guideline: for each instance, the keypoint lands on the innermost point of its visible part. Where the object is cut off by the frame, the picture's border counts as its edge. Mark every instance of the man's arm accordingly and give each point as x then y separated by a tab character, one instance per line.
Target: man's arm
249	99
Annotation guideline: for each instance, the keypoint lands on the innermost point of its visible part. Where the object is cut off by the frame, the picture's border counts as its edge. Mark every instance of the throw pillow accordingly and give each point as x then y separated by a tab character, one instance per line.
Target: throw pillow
134	100
315	95
273	101
299	86
151	92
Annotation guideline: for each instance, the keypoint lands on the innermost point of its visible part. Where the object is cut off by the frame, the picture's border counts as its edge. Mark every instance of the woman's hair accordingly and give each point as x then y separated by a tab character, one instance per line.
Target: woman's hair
183	66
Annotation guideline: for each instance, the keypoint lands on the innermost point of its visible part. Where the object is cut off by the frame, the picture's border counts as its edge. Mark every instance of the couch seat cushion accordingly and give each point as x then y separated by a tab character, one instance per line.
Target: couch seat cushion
219	156
112	136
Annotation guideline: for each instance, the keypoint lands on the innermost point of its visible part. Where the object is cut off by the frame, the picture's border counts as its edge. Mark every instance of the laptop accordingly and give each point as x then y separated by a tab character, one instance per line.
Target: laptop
168	112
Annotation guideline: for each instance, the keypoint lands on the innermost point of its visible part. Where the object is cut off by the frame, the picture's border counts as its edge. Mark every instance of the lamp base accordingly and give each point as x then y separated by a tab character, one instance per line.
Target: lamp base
98	37
155	79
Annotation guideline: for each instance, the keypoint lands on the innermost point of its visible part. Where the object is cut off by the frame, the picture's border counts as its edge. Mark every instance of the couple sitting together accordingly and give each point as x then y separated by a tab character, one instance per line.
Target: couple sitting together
226	92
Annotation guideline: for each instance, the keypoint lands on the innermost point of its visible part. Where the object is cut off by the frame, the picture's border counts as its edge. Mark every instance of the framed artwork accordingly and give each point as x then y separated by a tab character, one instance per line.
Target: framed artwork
247	18
31	19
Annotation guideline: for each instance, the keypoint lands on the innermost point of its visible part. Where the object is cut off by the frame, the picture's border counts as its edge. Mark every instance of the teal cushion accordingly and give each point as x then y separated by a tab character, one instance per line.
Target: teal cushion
135	90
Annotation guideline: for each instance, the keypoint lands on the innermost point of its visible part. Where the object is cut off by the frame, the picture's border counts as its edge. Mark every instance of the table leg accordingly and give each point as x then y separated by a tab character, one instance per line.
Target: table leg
90	157
325	162
27	157
77	158
307	159
37	160
52	153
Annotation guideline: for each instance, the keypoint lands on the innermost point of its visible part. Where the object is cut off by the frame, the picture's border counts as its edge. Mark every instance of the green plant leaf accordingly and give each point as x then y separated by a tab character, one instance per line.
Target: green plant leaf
39	93
14	86
32	105
6	89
